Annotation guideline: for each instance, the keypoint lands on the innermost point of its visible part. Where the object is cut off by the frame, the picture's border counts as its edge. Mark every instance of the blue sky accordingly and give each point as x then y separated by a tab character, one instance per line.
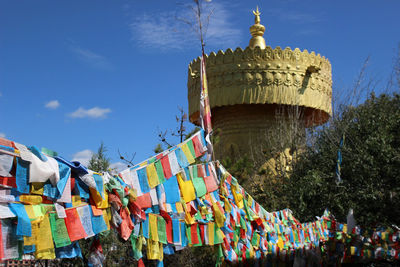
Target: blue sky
75	73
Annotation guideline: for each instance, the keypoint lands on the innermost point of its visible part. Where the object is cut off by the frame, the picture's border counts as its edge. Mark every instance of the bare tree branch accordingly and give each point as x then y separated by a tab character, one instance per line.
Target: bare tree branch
127	159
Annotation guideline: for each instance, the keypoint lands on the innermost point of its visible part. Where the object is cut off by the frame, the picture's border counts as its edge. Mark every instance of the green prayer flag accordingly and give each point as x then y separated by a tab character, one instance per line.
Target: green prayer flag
246	208
59	231
162	230
194	171
220	255
217	235
160	172
188	234
49	152
191	148
254	240
136	247
199	186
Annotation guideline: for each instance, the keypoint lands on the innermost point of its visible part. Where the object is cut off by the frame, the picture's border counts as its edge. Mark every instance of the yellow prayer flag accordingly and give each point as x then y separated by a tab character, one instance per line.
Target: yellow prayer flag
144	163
211	230
30	199
179	207
218	215
237	196
189	219
187	189
383	235
153	227
250	201
107	217
154	250
152	176
98	200
352	250
31	240
227	205
37	188
345	228
280	242
188	154
44	240
76	200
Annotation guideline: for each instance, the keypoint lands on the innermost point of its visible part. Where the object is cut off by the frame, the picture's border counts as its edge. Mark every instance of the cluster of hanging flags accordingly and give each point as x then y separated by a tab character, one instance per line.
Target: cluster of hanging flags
166	203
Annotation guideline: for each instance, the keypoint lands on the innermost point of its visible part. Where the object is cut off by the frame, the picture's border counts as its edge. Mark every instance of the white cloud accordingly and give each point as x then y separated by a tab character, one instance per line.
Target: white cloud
118	166
2	135
53	104
83	156
90	58
95	113
165	30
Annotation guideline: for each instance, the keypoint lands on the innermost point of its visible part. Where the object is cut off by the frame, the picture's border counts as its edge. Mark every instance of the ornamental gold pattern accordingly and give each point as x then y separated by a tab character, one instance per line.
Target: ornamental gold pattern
264	76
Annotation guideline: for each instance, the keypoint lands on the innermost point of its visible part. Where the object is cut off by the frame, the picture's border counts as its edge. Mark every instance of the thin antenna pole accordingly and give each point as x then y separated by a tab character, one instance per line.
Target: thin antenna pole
198	14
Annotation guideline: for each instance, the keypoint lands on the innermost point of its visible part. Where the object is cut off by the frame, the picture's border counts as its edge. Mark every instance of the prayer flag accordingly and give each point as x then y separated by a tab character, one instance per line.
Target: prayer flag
153	230
162	230
142	176
187	189
166	167
181	158
44	241
22	176
197	146
205	109
172	188
173	163
152	175
160	172
186	151
59	231
74	225
86	219
200	186
24	227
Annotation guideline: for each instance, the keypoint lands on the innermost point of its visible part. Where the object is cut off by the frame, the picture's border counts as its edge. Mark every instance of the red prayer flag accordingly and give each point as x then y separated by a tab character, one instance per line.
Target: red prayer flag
96	211
229	179
135	209
193	234
198	148
166	167
74	225
6	142
144	201
126	226
200	170
168	224
202	233
8	181
211	184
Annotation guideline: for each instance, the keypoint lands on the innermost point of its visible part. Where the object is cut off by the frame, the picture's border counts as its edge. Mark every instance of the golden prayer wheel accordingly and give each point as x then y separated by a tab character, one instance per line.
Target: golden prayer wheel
247	88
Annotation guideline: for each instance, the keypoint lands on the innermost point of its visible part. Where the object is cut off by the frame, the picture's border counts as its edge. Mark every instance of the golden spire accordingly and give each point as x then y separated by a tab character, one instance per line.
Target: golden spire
257	31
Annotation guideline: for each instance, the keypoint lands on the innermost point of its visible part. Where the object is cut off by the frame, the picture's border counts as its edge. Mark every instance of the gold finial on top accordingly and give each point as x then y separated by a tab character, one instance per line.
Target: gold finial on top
257	14
257	31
